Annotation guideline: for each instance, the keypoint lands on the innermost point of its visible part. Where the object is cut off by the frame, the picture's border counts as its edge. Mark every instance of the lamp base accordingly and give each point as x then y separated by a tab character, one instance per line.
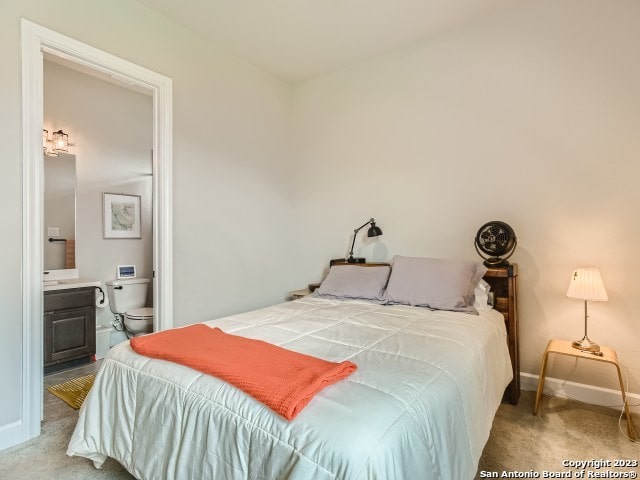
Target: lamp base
356	260
586	345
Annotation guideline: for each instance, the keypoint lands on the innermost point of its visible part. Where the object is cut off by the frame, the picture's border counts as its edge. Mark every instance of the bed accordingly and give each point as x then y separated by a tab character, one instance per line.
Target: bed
420	404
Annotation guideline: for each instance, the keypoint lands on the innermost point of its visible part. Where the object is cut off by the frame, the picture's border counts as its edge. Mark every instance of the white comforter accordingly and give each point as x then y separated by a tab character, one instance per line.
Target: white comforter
419	406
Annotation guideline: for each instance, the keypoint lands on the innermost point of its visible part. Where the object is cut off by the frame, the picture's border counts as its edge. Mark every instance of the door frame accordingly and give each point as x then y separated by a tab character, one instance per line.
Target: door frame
36	40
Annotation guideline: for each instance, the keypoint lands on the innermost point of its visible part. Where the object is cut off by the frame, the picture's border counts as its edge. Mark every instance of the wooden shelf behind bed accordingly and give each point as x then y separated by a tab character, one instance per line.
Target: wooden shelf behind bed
504	285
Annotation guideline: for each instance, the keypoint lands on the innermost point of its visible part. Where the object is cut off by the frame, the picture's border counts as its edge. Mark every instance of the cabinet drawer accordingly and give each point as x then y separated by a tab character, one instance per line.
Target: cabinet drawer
71	298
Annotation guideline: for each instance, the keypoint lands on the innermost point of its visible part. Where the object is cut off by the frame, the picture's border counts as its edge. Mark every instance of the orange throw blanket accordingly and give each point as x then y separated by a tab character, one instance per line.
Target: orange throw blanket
283	380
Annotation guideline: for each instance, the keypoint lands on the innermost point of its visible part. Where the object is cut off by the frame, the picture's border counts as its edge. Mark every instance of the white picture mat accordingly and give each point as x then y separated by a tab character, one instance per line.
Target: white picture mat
121	216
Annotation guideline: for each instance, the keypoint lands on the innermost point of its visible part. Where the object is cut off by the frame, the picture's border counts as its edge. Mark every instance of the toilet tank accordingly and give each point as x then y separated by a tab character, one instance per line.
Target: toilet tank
127	294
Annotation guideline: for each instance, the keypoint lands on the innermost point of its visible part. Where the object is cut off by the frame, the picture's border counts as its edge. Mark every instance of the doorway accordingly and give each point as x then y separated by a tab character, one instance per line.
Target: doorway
109	127
37	40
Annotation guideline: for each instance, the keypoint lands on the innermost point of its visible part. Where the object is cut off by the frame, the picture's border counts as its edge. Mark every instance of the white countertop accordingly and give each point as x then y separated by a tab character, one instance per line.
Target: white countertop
67	283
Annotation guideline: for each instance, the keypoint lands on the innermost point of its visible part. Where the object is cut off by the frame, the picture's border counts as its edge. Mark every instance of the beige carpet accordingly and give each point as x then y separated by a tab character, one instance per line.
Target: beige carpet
566	431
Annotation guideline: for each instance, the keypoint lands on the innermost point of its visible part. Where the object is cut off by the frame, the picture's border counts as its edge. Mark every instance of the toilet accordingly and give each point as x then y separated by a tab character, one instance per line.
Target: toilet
127	298
139	320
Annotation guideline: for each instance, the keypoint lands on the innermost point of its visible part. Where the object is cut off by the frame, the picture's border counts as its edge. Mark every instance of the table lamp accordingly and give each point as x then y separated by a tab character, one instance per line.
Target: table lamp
586	284
373	231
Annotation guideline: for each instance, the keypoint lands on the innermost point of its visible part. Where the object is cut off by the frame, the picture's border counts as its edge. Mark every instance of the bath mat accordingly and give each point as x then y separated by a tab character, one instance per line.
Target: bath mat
73	392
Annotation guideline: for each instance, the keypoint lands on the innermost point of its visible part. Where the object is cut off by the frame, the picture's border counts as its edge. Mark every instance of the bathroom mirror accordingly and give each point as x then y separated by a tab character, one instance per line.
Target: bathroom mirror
59	227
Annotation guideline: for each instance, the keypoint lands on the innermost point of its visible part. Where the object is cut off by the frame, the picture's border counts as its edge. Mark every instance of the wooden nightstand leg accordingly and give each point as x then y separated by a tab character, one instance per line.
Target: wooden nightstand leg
543	373
630	427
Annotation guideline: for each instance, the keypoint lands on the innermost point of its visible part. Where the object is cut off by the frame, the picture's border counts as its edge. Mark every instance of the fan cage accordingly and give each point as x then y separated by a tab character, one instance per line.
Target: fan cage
495	242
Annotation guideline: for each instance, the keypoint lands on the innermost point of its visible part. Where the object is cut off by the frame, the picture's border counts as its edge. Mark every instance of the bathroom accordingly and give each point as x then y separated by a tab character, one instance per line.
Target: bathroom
110	129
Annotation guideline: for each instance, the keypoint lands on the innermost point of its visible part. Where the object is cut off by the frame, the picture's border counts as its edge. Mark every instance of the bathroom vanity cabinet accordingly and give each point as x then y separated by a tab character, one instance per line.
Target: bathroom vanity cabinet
69	325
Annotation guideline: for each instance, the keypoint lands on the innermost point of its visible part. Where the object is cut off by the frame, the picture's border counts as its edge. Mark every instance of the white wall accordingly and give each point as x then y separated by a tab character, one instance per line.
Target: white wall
530	116
231	181
110	128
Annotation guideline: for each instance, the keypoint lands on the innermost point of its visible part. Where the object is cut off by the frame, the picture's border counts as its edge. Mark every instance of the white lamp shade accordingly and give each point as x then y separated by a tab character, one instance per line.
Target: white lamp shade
586	284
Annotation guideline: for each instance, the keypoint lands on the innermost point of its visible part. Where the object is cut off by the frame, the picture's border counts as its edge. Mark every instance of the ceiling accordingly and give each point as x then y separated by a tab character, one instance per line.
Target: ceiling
299	39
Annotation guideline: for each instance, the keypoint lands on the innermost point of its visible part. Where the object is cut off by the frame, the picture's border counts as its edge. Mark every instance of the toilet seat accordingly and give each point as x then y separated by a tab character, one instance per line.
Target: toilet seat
143	313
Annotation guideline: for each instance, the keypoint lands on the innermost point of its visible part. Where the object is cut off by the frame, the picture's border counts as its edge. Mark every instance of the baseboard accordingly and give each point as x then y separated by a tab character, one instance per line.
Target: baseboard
579	391
11	434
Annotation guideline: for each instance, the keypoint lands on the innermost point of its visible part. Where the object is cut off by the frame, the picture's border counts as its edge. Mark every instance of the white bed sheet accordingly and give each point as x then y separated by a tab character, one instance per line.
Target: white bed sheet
420	405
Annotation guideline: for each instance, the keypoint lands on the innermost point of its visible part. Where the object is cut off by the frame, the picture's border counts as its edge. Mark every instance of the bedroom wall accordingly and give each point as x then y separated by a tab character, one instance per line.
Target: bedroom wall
230	170
530	116
110	129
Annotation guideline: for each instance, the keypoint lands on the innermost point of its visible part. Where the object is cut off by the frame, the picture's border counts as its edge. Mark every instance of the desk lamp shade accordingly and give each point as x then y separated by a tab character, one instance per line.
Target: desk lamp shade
586	284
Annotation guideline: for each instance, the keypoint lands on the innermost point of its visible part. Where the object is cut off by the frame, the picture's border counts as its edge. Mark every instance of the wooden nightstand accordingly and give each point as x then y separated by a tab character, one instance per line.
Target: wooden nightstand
504	286
296	294
303	292
563	347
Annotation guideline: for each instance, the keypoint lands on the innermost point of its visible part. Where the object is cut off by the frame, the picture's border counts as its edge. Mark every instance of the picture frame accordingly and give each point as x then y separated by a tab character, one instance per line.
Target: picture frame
121	215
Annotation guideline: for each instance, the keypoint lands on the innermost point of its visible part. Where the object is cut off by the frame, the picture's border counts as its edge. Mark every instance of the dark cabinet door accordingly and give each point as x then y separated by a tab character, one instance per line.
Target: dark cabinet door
69	333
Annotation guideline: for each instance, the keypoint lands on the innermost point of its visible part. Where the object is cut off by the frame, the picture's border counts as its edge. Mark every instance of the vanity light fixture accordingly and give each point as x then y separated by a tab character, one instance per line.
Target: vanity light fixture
45	144
586	284
373	231
60	142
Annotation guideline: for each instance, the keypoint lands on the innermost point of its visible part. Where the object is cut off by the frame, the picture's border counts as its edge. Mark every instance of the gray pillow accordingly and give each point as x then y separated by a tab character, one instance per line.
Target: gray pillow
435	283
352	281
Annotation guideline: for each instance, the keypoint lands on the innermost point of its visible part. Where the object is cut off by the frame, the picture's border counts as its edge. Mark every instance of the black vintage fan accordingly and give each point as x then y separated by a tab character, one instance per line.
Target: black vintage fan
497	240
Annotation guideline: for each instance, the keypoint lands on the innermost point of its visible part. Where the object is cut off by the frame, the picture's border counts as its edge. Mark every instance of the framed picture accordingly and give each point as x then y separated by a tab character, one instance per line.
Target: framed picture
121	215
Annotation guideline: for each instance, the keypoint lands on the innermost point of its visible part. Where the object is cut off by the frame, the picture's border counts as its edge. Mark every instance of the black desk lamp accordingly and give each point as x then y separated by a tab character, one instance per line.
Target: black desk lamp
372	232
